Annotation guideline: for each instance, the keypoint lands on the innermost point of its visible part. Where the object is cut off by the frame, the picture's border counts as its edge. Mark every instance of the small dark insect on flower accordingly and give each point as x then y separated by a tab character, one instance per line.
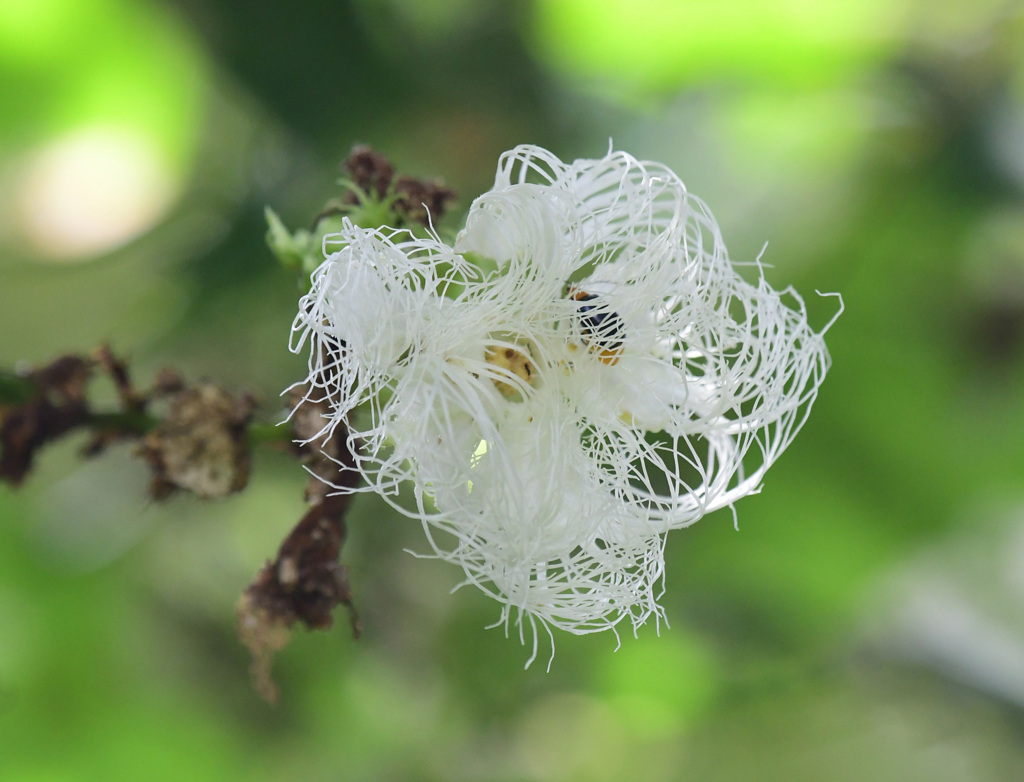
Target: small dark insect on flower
602	328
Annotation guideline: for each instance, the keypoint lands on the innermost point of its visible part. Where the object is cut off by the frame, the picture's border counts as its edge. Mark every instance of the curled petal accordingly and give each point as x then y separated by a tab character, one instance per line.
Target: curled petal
582	372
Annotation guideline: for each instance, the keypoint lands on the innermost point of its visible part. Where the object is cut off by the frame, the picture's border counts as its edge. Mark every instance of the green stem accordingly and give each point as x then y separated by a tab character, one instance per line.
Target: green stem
15	389
269	434
141	423
135	422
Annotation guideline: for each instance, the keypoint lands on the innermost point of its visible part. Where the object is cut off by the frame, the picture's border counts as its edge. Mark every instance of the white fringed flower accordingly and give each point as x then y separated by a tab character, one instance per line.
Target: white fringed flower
582	372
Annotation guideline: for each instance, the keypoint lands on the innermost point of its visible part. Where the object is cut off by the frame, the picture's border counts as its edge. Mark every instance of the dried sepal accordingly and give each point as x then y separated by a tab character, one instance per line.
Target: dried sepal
369	170
201	445
305	582
265	634
420	201
377	197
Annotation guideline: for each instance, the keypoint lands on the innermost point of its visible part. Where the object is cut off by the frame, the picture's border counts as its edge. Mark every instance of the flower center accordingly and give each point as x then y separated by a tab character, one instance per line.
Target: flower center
515	360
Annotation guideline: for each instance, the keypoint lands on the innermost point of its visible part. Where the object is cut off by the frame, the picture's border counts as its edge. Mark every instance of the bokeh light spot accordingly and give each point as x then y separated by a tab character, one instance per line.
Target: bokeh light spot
93	190
654	45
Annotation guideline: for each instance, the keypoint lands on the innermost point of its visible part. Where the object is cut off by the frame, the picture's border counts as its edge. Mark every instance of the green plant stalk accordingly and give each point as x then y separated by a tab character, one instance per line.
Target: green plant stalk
15	389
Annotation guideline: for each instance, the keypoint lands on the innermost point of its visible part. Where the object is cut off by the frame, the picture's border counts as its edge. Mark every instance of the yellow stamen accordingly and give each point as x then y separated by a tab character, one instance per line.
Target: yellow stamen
517	361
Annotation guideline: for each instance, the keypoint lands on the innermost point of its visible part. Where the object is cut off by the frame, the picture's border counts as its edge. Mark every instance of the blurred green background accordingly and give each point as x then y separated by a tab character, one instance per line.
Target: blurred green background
866	622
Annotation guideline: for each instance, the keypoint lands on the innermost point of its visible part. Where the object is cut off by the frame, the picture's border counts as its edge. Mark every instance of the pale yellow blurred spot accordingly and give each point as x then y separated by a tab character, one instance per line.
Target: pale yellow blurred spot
91	191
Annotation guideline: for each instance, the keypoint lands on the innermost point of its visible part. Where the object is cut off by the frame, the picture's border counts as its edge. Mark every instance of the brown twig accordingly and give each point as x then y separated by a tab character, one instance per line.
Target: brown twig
201	440
201	443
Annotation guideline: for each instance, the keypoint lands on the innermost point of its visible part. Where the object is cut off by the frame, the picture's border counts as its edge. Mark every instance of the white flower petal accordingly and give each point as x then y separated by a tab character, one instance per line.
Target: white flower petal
613	379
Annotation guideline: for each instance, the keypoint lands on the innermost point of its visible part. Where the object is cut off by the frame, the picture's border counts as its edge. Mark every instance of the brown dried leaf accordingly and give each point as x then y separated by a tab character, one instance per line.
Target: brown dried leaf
305	582
57	406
